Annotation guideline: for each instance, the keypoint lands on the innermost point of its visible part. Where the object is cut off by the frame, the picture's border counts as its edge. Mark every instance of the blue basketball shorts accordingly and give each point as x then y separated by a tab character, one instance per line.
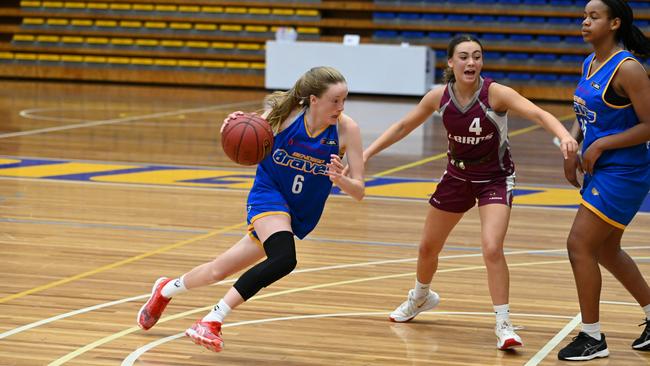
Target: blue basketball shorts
265	202
615	194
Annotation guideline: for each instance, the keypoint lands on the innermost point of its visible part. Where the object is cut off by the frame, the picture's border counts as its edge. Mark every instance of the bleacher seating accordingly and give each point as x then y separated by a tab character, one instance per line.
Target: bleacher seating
525	41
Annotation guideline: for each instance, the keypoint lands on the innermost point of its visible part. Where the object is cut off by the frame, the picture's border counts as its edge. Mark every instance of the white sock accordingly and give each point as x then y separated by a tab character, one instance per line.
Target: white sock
219	313
647	311
174	287
502	313
593	330
421	289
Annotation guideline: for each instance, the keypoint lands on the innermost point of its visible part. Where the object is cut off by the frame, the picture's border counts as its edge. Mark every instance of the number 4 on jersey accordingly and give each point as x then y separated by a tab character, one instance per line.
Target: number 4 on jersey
476	126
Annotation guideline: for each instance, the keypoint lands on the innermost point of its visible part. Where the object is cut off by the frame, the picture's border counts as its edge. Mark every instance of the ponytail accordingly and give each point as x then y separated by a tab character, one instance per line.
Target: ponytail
635	41
281	103
314	82
630	35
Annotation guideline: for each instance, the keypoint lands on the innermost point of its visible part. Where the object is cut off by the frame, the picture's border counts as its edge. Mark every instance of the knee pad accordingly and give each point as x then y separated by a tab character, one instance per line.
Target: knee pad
280	260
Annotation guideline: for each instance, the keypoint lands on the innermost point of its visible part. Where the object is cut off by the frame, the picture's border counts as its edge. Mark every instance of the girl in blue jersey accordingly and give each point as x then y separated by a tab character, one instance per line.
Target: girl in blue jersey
612	105
287	198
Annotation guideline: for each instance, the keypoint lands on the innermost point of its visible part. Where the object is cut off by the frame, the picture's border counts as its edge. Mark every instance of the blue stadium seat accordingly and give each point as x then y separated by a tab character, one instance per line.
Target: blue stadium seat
439	35
642	23
519	56
484	18
574	39
509	19
492	55
522	37
562	2
529	19
560	20
433	17
458	17
496	75
438	75
495	37
549	38
385	34
545	57
413	34
383	16
569	78
519	76
534	2
574	59
639	4
409	17
545	77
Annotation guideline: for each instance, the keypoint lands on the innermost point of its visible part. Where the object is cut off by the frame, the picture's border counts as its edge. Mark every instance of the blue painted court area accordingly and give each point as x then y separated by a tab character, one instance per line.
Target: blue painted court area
242	179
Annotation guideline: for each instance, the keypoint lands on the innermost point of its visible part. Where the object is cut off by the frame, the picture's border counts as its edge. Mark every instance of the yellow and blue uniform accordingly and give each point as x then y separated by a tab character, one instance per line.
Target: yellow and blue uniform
621	177
293	180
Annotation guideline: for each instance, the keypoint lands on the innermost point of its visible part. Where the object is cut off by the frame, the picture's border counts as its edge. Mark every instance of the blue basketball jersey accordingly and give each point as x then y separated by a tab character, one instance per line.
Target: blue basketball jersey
621	177
293	178
598	118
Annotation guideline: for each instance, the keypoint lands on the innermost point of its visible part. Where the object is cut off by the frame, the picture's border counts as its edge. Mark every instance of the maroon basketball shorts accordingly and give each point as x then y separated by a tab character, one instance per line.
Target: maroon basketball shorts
459	195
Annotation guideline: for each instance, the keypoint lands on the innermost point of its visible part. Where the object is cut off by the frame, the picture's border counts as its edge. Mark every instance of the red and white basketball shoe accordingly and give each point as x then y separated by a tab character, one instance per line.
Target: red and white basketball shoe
151	311
206	334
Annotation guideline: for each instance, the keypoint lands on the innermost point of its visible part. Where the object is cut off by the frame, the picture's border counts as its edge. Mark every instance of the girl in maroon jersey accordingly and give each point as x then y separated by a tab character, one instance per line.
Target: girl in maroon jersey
474	112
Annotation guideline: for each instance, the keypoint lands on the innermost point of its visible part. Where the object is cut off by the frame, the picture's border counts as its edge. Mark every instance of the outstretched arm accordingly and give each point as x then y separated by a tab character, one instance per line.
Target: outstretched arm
408	123
505	98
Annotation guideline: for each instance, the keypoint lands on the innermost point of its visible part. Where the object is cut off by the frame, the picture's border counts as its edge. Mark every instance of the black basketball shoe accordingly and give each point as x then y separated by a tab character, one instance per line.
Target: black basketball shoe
583	348
643	342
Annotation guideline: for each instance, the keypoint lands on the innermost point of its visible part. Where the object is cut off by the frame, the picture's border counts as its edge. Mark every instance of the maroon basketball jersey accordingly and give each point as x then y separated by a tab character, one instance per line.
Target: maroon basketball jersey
478	136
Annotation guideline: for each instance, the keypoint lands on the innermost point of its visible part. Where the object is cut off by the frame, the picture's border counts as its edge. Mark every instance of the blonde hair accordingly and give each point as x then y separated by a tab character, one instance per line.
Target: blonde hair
314	82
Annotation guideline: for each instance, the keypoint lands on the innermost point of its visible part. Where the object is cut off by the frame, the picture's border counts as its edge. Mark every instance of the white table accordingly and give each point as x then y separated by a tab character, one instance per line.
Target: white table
368	68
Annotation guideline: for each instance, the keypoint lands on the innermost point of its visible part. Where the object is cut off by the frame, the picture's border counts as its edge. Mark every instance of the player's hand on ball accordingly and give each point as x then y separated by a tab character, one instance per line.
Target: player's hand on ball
230	117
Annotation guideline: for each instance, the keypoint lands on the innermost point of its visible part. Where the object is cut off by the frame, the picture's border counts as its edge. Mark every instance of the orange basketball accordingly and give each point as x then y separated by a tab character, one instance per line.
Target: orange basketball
247	139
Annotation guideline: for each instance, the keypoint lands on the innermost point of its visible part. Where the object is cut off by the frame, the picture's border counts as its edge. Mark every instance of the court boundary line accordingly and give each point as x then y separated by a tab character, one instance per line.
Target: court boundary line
306	270
550	345
120	120
88	309
133	356
90	346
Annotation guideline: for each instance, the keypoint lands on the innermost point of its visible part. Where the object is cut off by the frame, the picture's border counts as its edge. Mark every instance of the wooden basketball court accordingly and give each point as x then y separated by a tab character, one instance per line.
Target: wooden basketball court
103	189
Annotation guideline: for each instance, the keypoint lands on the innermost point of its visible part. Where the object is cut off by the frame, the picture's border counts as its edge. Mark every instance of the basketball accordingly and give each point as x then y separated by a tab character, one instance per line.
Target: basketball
247	139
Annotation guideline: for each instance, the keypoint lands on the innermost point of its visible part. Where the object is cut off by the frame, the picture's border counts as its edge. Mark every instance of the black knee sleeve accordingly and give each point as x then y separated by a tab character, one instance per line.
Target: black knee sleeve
280	260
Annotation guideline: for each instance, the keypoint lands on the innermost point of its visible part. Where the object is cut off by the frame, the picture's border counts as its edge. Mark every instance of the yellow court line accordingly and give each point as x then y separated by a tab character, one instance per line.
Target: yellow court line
120	263
410	165
442	155
128	331
523	130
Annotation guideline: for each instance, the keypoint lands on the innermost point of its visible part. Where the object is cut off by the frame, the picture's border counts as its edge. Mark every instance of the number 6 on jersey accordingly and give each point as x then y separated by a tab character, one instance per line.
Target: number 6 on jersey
296	187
